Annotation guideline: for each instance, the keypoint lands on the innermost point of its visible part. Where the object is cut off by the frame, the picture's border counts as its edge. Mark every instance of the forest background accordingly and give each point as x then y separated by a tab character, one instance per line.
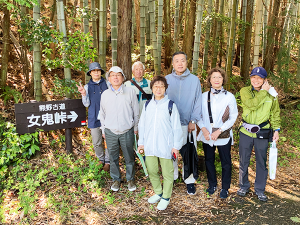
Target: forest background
46	47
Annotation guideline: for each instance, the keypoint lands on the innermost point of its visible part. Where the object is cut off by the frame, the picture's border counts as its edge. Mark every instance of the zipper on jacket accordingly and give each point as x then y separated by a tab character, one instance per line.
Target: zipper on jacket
154	123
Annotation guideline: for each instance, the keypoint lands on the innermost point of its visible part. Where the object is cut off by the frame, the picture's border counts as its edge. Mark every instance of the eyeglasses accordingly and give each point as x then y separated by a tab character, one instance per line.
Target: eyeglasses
158	87
116	75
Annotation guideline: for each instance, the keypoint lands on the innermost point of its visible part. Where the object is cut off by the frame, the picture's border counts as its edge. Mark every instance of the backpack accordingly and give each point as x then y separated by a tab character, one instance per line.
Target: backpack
170	106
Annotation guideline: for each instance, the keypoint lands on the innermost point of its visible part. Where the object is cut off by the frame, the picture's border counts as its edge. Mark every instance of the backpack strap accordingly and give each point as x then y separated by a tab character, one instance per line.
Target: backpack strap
146	103
170	107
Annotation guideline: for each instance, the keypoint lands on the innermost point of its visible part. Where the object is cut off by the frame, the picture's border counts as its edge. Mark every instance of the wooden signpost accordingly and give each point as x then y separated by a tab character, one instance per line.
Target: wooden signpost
51	115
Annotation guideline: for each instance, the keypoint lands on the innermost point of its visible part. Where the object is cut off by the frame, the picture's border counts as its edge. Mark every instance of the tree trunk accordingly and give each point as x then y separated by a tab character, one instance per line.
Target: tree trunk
86	29
215	38
159	34
189	41
207	37
298	65
137	18
258	22
273	18
231	43
197	36
114	29
247	49
124	35
167	36
133	26
62	29
6	43
37	58
142	30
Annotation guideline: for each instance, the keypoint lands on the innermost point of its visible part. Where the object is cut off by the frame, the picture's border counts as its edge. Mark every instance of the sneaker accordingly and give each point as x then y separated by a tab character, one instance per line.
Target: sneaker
224	193
262	197
210	190
131	185
106	167
163	204
115	186
242	192
153	199
191	189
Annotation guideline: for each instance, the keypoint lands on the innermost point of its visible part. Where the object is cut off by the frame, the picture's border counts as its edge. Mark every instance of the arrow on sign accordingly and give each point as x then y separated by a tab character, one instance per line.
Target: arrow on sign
73	116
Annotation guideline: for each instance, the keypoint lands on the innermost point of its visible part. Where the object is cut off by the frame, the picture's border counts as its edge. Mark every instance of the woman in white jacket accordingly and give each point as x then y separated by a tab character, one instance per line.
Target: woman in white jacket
160	135
221	103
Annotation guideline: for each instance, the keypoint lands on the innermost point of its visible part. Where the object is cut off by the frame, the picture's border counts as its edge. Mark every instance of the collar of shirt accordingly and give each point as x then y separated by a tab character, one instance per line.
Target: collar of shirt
116	91
215	92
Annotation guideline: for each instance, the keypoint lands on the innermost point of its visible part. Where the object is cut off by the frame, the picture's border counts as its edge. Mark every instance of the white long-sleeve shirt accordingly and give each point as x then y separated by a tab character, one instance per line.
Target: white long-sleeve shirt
218	103
158	131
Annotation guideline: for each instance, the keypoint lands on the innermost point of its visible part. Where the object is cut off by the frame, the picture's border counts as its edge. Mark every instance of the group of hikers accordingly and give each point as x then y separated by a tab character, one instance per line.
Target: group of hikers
163	113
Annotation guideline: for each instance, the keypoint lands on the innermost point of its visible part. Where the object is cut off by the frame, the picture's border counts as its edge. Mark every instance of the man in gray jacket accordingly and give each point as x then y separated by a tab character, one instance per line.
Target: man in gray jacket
119	117
185	90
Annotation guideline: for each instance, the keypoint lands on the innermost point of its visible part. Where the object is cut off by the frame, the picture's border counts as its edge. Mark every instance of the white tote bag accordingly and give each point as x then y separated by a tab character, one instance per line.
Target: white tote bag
273	160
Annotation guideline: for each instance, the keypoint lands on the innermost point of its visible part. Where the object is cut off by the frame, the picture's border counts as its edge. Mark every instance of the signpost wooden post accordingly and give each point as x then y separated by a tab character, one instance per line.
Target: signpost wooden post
51	115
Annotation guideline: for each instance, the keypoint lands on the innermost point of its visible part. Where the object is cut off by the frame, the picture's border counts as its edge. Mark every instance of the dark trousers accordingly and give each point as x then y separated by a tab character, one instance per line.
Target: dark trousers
114	141
224	152
245	149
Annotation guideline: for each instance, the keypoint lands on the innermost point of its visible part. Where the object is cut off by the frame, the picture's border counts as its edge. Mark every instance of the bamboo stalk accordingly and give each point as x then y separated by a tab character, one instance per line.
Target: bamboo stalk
114	30
258	24
207	36
153	32
159	34
197	36
37	57
102	34
142	30
231	41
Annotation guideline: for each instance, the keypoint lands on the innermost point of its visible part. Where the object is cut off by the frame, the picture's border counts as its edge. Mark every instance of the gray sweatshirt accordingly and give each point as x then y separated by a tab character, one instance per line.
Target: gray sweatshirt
185	91
119	110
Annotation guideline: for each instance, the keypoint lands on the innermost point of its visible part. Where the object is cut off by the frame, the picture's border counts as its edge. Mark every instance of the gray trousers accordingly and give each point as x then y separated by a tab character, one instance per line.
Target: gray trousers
113	142
98	147
245	148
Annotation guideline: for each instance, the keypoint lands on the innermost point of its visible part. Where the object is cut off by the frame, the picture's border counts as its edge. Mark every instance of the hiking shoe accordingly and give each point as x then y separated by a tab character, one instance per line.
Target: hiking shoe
242	192
106	167
224	193
191	189
153	199
262	197
131	185
163	204
210	190
115	186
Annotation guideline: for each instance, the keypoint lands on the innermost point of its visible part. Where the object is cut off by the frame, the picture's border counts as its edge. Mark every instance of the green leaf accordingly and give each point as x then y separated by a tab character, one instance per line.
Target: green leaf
295	219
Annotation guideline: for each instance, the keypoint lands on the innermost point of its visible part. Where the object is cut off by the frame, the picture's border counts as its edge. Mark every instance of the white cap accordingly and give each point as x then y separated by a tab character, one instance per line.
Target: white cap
115	69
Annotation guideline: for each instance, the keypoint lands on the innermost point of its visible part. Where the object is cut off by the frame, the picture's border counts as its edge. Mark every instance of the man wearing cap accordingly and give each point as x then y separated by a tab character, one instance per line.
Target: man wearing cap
260	107
91	96
119	116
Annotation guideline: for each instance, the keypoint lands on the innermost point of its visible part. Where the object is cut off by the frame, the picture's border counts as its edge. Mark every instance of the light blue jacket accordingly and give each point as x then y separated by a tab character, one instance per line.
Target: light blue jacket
185	91
158	131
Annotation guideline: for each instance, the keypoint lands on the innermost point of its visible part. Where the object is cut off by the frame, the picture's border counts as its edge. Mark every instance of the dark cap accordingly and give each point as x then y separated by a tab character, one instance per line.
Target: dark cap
94	66
259	71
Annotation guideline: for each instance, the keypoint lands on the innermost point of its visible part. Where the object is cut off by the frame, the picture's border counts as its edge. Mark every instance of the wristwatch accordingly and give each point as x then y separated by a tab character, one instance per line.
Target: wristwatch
192	121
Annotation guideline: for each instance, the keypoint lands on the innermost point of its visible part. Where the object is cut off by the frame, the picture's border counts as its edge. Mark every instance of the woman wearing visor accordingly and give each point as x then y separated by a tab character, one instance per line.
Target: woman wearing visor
261	124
